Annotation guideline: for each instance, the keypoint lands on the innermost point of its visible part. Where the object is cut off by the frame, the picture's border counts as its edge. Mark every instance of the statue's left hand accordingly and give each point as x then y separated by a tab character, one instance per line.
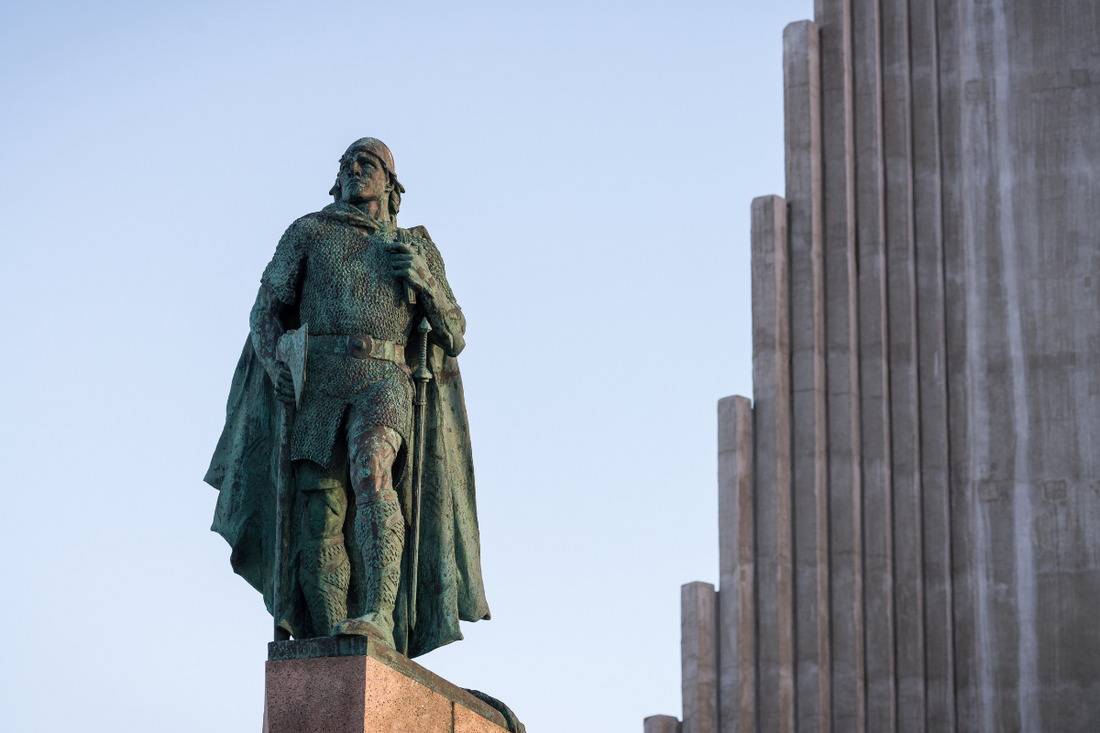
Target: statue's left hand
411	267
284	387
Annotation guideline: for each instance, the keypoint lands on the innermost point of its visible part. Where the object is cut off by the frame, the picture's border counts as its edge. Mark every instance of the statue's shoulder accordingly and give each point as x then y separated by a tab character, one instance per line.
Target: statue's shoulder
419	235
419	232
312	219
306	226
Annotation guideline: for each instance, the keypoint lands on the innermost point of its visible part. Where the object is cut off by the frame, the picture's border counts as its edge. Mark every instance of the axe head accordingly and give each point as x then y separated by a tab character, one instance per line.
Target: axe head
292	351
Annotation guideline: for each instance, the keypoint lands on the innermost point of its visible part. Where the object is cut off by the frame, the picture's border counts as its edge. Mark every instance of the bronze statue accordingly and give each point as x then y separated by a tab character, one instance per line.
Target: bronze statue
323	518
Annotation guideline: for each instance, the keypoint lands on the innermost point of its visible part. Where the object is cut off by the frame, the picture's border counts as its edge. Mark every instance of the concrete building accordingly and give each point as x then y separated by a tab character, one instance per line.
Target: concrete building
909	508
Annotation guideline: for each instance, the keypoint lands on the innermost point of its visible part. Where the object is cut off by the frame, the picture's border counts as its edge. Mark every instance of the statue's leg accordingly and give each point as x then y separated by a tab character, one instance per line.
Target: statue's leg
324	569
379	525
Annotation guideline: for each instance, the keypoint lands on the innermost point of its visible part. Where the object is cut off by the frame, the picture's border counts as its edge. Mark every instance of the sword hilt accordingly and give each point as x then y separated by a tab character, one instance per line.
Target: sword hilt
423	374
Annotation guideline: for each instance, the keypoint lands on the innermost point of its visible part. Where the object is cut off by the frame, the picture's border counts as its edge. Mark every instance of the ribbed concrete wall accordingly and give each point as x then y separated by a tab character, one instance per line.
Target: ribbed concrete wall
910	508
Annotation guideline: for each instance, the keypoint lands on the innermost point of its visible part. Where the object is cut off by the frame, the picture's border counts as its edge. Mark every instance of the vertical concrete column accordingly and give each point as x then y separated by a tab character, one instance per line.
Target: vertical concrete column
931	365
661	724
736	559
901	295
985	611
1020	298
699	657
1047	298
956	266
878	517
1030	149
771	360
802	113
834	18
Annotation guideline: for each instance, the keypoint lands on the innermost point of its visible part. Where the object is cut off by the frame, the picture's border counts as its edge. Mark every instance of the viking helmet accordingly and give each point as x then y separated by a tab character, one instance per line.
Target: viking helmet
378	149
375	147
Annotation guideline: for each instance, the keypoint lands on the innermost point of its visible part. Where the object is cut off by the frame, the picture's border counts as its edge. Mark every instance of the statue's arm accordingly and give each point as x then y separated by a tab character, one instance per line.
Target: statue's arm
266	329
422	267
448	325
440	306
278	290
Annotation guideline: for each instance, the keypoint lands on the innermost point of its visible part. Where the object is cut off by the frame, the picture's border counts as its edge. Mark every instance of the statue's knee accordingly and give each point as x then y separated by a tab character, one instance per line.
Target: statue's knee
376	445
326	501
373	452
325	512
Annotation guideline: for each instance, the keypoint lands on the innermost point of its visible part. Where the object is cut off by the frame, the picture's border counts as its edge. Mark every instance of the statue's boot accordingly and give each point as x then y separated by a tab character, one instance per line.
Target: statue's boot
325	573
380	533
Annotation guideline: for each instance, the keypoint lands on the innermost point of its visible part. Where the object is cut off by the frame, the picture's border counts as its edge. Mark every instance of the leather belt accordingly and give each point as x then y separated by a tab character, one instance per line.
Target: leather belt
358	346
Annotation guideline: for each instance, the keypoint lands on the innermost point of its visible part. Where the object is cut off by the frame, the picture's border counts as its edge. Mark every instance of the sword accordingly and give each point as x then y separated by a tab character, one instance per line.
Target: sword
292	351
422	375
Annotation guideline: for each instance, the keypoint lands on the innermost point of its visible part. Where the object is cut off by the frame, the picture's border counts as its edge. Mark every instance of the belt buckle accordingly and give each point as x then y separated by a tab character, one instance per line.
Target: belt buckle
360	346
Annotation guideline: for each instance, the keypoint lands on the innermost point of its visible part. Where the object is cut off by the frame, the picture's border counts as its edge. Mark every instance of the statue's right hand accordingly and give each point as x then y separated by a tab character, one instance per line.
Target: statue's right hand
284	388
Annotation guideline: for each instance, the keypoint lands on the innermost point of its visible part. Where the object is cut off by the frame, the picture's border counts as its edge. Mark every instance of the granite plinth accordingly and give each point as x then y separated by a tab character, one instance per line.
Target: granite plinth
662	724
356	684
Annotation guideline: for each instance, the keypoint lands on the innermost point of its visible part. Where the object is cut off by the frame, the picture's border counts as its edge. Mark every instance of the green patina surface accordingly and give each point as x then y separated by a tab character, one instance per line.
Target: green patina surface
345	466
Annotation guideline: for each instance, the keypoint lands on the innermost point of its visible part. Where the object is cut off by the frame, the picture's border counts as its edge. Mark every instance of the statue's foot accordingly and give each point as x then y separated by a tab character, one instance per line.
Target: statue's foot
372	624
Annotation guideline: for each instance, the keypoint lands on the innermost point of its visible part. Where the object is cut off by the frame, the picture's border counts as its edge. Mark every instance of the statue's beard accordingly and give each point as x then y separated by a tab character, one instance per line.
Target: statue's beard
354	186
355	192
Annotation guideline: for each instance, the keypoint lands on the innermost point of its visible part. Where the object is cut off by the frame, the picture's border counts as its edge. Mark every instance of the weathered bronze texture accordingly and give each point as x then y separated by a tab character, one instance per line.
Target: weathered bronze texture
323	468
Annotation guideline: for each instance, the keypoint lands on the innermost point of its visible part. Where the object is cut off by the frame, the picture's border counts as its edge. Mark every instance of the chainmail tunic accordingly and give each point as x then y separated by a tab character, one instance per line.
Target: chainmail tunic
335	267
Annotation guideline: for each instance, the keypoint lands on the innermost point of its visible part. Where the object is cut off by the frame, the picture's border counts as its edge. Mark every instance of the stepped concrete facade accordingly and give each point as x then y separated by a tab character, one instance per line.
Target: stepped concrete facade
909	507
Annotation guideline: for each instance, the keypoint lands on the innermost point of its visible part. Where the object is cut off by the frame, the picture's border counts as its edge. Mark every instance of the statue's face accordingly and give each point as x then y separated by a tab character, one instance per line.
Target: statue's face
362	178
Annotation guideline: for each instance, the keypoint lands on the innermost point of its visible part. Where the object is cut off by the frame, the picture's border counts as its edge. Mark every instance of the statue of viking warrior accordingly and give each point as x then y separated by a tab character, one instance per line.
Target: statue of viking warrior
356	287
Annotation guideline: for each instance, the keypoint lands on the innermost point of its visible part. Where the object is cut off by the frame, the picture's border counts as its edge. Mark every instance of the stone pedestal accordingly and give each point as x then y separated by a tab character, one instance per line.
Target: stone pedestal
662	724
356	685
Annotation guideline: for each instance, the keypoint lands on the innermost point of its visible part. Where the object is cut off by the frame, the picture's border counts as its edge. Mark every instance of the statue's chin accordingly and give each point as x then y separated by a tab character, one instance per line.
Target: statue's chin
356	195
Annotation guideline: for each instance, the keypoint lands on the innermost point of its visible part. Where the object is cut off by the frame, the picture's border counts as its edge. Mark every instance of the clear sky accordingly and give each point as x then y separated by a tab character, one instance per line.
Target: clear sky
586	170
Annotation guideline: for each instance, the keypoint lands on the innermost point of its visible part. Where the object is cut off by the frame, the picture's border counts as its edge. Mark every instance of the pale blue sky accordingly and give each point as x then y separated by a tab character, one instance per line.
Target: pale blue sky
586	169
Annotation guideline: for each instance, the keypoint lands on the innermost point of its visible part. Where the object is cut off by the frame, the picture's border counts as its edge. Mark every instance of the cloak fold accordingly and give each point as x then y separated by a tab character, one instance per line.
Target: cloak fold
449	581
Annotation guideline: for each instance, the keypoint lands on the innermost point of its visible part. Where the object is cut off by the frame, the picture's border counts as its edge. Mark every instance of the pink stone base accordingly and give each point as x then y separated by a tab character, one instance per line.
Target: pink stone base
467	721
359	694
